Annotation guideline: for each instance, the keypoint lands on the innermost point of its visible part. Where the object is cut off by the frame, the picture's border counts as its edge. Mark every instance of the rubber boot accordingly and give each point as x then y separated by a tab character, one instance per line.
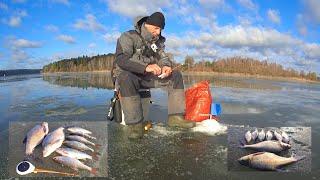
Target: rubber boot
179	121
135	131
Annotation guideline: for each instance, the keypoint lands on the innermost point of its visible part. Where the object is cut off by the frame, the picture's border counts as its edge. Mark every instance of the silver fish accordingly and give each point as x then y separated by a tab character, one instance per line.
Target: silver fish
285	137
254	134
74	164
78	145
52	141
269	136
81	139
278	136
248	136
73	153
83	134
267	161
268	146
35	136
261	135
74	129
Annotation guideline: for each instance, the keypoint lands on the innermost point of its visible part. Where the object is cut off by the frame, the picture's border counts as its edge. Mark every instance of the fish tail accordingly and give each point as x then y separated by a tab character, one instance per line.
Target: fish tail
94	171
242	145
298	158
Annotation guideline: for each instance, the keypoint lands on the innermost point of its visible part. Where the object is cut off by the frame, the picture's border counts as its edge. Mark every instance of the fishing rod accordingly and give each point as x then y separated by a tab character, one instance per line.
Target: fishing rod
25	167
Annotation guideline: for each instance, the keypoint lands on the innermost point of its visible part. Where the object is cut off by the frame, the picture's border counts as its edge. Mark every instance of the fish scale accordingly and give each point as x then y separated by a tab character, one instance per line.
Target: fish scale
268	146
35	136
78	145
80	139
267	160
73	153
52	141
74	164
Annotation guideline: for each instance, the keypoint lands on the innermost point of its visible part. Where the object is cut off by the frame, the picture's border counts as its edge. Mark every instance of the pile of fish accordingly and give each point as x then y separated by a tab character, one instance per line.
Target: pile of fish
256	136
268	145
75	140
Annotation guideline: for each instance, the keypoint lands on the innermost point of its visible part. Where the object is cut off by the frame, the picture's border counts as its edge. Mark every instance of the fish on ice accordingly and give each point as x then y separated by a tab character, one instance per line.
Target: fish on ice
267	161
53	141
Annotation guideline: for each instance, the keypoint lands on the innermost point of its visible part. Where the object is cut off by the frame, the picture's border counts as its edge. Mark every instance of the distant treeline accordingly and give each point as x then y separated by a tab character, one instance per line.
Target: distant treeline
245	65
19	72
81	64
241	65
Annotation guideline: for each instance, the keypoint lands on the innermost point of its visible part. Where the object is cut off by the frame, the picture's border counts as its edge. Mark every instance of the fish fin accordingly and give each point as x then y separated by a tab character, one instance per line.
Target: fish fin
257	153
97	153
24	140
281	170
94	171
95	156
97	145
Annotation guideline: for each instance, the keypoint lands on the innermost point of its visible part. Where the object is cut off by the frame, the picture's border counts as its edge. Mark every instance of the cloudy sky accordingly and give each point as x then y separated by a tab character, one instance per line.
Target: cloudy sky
34	33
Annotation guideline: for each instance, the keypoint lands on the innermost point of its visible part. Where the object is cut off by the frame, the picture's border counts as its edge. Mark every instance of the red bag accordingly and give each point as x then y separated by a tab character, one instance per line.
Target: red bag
198	102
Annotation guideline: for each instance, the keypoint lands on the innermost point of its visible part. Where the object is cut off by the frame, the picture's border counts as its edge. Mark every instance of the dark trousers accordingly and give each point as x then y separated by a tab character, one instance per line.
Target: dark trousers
130	83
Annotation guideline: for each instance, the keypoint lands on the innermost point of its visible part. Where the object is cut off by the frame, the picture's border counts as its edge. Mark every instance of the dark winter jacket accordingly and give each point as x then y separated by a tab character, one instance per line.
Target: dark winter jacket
134	50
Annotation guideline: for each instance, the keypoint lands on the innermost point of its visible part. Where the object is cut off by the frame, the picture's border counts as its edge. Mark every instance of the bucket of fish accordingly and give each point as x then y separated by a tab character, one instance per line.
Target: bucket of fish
70	143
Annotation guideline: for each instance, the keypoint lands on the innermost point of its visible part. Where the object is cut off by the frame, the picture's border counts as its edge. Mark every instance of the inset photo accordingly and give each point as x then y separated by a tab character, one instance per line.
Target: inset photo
284	149
58	149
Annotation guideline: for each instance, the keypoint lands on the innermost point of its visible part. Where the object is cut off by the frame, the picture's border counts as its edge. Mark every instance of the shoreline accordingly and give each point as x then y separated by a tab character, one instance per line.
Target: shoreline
242	75
221	74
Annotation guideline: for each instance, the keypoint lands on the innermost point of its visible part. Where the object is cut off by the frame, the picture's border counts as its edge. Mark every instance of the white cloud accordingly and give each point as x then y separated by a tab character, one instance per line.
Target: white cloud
212	3
66	38
217	5
247	41
312	50
65	2
312	10
51	28
92	45
244	21
138	7
17	48
274	16
19	55
239	36
23	43
111	37
14	21
3	6
90	23
248	4
300	23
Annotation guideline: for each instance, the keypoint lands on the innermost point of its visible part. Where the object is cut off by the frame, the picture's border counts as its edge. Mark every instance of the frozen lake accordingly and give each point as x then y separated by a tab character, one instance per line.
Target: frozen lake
163	152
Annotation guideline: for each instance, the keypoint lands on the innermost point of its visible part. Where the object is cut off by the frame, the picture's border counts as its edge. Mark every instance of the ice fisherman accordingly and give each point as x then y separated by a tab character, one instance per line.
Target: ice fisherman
139	61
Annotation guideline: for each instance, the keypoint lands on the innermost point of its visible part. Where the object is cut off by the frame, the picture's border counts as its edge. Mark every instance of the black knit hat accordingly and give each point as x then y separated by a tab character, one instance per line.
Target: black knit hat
156	19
